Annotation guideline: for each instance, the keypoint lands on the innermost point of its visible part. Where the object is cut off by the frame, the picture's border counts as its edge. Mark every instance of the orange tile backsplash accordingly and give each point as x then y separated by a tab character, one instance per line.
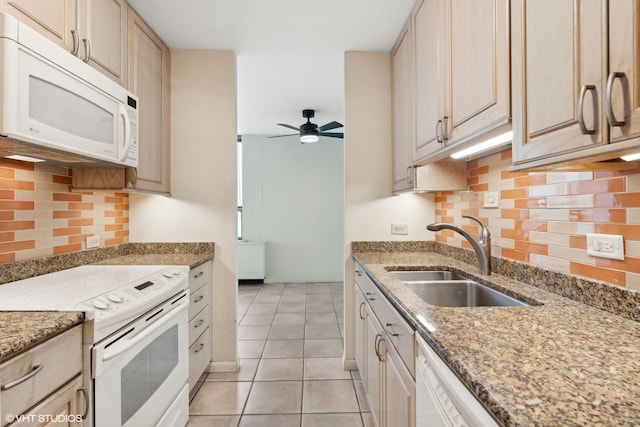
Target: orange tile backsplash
41	216
543	217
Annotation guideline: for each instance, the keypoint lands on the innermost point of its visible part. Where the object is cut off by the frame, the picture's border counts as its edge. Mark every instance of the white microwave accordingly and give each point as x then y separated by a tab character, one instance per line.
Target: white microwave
55	107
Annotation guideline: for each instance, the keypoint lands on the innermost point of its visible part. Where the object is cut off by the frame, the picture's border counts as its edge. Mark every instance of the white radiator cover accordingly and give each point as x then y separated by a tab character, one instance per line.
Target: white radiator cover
251	260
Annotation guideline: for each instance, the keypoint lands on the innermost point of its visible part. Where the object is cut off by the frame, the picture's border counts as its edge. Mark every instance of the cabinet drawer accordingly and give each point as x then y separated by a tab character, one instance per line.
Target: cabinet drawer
198	300
199	276
401	334
54	362
199	357
198	324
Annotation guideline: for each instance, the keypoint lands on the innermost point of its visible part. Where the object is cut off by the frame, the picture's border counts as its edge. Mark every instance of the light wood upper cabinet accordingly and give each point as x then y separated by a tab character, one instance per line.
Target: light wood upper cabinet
554	61
431	78
93	30
149	64
102	25
403	110
575	81
462	68
53	18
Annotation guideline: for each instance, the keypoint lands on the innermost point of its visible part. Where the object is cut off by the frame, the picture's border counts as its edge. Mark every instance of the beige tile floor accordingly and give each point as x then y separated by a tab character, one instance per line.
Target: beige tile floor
291	373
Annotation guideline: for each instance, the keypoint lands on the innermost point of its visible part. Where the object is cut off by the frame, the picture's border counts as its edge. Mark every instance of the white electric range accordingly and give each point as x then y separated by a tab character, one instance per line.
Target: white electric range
135	336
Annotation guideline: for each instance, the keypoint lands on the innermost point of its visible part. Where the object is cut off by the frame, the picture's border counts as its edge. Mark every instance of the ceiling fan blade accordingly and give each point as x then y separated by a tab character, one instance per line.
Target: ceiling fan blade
329	126
289	126
332	134
280	136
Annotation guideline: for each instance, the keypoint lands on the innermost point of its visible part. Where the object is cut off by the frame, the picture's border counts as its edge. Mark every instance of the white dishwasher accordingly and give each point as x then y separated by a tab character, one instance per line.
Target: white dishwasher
442	400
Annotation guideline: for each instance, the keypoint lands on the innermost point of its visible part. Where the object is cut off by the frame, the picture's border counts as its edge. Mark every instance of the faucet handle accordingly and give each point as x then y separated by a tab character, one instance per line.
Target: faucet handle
484	231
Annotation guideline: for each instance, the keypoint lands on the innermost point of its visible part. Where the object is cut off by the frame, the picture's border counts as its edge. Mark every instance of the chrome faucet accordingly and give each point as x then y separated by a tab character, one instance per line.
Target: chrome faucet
482	246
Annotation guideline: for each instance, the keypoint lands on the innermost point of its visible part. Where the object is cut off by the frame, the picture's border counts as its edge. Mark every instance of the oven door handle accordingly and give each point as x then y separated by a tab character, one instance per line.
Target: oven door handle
126	343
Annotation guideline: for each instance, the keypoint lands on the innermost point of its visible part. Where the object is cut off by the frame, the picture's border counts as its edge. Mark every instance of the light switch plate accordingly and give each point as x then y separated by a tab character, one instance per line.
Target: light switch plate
399	229
605	246
92	242
491	199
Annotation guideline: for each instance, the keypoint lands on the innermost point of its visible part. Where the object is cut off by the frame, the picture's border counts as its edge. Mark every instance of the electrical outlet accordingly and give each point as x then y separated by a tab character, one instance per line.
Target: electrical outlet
491	199
399	229
92	242
605	246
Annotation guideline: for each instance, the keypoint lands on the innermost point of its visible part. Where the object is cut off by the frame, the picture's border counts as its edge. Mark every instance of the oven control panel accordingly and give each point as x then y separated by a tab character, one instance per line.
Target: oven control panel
134	297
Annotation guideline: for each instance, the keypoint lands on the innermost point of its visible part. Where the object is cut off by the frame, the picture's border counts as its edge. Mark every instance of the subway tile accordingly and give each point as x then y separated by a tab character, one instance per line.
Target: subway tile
549	238
547	190
558	202
631	232
570	227
633	183
598	273
553	177
549	214
571	254
619	200
553	263
633	216
632	281
614	185
632	248
598	215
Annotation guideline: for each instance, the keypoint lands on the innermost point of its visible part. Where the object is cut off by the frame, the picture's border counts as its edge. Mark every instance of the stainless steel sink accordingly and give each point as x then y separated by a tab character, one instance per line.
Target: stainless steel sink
420	276
460	293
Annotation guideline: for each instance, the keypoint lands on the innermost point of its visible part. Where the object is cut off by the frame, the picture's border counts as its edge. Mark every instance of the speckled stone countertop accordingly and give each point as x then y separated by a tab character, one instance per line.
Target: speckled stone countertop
560	363
20	331
192	260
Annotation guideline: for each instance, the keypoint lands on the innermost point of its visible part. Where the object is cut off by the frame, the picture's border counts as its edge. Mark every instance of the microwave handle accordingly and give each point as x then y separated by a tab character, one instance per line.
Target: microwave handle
127	132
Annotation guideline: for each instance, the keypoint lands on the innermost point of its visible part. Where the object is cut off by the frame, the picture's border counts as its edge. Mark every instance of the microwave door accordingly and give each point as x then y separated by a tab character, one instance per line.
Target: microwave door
54	105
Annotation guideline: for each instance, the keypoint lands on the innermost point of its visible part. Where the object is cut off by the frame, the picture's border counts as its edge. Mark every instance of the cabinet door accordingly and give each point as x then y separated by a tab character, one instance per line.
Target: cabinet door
403	108
399	392
64	408
557	53
103	29
430	76
361	325
374	383
624	32
149	80
55	19
480	67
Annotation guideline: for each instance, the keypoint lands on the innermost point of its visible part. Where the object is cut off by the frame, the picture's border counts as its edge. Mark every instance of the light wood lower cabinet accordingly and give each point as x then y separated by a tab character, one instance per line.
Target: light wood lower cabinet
385	374
199	325
43	386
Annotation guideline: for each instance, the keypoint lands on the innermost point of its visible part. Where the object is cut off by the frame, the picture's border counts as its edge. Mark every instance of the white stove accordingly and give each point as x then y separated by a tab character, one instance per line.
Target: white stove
135	337
112	295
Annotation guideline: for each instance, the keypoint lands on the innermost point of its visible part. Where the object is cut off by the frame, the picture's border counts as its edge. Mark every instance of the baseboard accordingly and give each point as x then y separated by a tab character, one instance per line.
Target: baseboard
350	364
223	367
250	281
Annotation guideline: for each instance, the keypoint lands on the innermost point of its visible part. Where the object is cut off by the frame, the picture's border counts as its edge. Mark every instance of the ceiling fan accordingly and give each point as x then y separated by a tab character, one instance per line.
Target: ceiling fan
309	132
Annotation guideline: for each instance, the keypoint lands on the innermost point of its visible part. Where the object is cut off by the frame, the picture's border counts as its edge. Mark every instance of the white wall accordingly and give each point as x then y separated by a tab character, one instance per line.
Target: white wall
293	199
203	181
370	207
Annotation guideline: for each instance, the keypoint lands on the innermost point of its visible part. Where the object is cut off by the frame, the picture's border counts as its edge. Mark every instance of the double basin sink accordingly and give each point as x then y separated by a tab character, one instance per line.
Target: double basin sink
450	289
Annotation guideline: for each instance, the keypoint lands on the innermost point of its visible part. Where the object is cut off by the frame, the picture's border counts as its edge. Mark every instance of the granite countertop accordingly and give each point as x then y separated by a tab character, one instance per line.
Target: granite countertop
558	363
192	260
21	330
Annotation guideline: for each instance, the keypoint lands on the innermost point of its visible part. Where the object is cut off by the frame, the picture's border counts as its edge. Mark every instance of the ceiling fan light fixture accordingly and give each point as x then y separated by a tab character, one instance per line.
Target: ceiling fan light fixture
309	138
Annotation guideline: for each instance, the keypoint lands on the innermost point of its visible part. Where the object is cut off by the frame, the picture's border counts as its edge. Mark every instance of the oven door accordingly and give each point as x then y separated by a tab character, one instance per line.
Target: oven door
142	371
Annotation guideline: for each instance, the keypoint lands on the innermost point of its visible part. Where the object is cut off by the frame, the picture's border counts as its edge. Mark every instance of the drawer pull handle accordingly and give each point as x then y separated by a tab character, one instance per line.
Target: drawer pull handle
85	395
611	117
198	324
370	296
390	331
36	369
87	50
75	42
580	110
361	307
200	347
199	274
200	298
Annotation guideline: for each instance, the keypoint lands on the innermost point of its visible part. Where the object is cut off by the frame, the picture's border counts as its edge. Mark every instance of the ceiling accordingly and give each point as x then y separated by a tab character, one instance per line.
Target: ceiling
290	53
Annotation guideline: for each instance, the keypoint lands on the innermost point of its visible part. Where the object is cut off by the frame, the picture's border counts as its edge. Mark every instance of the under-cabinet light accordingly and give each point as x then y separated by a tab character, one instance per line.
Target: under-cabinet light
484	145
631	157
24	158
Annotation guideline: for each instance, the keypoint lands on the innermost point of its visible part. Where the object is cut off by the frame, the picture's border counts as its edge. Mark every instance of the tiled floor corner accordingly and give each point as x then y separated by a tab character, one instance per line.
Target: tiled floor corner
291	372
